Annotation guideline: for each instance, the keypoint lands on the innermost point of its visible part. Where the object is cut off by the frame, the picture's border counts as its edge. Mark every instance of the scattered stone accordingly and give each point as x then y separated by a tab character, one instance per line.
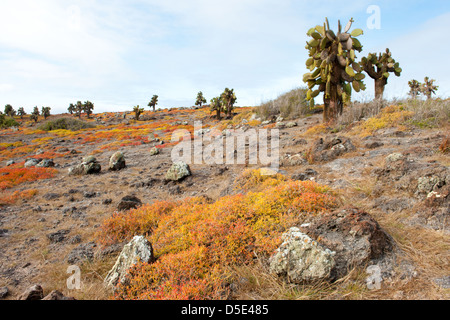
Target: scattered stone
90	194
46	163
394	157
443	282
75	239
57	295
374	145
107	201
3	232
129	202
117	161
295	160
291	124
300	259
330	149
31	162
178	171
58	236
139	249
429	184
304	176
10	163
51	196
88	166
4	291
33	293
154	151
82	253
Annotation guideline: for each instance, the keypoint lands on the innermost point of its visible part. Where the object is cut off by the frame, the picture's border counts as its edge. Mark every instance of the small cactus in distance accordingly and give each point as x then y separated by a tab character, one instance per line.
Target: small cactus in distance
35	115
228	98
428	88
137	112
379	68
46	112
414	86
153	103
333	66
21	112
216	105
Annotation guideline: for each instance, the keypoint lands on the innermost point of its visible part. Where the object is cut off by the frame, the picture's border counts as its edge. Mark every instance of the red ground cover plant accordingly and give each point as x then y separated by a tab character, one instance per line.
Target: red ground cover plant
15	175
195	242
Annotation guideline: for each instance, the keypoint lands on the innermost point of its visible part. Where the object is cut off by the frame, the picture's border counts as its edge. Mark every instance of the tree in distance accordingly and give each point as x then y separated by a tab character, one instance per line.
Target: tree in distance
216	105
428	88
21	112
228	98
88	107
9	111
414	86
35	114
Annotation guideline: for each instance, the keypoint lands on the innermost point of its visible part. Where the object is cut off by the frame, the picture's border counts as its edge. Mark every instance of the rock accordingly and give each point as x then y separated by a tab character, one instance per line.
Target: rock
265	123
154	151
374	145
31	163
443	282
90	194
82	253
58	236
295	160
178	171
46	163
75	239
139	249
10	163
429	184
4	291
300	259
117	161
3	232
355	237
51	196
304	176
330	149
129	202
56	295
107	201
280	125
33	293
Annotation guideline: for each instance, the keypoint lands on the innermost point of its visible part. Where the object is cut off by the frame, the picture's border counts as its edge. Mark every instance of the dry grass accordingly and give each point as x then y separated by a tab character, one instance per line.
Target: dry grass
291	105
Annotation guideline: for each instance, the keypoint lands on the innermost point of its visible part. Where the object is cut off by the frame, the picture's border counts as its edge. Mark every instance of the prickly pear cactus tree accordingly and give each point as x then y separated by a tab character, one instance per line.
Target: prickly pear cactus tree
216	105
333	66
428	88
414	86
379	67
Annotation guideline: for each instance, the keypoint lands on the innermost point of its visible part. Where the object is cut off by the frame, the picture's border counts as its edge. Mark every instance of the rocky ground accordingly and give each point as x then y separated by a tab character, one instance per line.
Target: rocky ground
398	177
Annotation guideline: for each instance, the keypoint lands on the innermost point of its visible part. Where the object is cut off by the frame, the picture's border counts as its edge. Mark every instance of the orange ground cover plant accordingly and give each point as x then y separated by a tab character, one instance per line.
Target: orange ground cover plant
195	242
15	175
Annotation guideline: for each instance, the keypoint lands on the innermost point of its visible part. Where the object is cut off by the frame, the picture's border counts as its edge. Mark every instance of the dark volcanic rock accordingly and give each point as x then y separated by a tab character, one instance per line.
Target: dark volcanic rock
129	202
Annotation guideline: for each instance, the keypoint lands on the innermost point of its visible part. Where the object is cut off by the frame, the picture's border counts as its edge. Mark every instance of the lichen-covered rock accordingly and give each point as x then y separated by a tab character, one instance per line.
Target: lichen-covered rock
178	171
301	259
46	163
394	157
117	161
330	149
139	249
33	293
31	163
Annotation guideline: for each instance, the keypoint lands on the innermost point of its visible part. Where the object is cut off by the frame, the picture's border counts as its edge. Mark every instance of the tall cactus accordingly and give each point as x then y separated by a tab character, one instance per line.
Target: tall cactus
414	86
379	68
333	66
428	88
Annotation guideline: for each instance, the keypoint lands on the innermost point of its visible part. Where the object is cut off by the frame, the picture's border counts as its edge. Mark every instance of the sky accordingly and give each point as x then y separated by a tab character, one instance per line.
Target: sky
119	53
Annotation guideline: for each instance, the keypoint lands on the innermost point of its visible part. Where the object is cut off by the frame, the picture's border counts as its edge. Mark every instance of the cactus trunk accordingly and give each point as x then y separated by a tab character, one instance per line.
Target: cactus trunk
380	84
333	106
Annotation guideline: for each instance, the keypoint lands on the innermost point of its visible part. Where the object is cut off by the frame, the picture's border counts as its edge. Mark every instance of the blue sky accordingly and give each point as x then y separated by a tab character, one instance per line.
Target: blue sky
118	54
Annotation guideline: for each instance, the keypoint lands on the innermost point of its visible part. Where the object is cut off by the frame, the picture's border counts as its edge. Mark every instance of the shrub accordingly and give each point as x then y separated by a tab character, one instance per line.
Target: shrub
290	105
65	124
195	242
